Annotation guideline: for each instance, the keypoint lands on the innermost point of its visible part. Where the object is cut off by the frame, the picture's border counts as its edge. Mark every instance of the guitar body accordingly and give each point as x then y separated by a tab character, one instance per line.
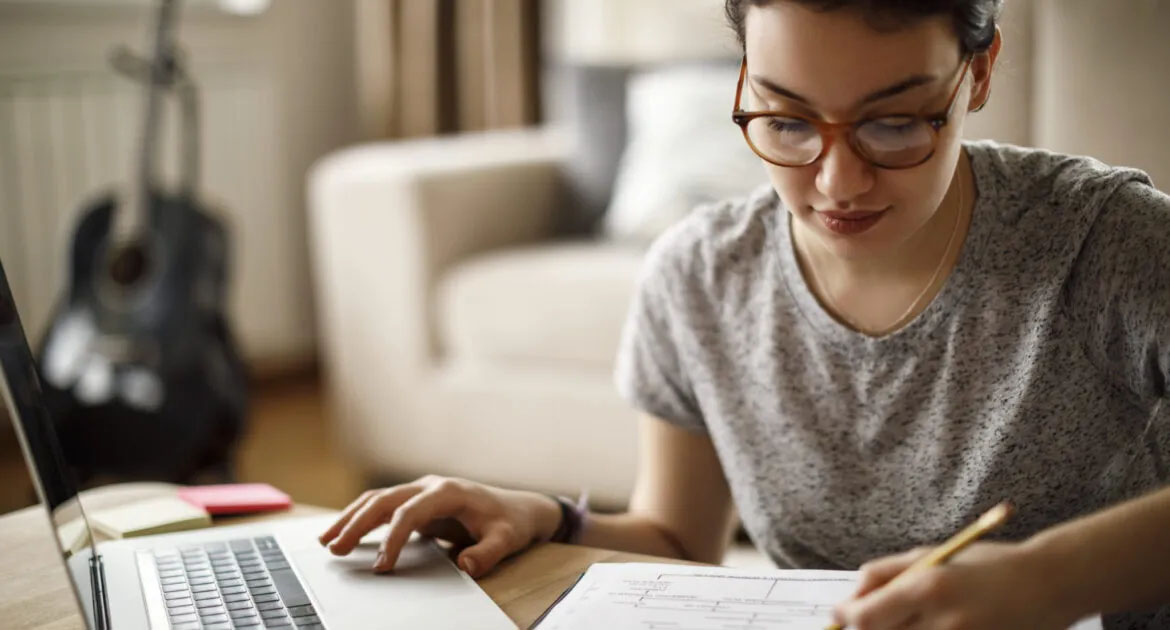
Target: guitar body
141	371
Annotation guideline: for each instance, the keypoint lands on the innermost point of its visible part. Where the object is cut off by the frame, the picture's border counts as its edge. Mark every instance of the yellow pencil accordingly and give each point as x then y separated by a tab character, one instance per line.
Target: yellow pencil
990	520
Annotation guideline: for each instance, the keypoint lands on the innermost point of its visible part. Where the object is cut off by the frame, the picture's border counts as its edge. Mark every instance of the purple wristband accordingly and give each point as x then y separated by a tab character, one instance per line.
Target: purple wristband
572	519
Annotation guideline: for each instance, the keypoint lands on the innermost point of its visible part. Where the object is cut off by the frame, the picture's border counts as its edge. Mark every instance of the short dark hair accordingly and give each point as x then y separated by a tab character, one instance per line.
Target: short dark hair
973	20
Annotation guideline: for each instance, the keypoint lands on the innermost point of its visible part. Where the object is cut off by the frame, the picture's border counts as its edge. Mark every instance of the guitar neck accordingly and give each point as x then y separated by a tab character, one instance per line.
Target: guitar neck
134	215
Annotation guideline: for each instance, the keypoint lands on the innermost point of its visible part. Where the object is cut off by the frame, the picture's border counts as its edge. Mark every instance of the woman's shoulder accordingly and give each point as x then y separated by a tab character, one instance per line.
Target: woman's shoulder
1028	185
716	236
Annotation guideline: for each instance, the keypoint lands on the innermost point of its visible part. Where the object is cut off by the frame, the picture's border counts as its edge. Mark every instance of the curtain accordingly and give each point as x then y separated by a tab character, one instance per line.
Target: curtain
428	67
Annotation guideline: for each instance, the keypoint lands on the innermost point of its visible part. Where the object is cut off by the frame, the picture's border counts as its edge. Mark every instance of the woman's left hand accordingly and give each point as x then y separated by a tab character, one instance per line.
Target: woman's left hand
988	586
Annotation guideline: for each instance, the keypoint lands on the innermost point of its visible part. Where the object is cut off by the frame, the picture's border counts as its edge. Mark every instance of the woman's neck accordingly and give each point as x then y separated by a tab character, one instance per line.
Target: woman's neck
878	295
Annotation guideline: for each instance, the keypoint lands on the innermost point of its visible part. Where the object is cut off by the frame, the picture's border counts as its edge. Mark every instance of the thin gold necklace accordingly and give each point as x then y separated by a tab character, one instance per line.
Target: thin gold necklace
913	304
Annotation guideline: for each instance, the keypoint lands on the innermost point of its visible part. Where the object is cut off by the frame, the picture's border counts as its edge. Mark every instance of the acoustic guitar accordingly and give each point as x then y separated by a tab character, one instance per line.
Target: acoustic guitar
140	368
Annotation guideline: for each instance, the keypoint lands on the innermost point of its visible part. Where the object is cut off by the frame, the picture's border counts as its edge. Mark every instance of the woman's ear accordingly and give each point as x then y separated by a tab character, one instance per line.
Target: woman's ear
981	67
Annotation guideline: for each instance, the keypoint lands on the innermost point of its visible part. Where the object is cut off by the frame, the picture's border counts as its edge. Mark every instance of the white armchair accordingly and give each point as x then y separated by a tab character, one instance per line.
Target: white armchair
457	337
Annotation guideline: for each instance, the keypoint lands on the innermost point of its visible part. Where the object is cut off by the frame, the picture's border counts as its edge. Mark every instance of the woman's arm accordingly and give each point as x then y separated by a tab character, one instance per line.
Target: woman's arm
681	506
1114	560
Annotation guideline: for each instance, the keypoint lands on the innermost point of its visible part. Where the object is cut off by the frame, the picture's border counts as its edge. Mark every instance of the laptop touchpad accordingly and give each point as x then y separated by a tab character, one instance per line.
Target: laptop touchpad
424	591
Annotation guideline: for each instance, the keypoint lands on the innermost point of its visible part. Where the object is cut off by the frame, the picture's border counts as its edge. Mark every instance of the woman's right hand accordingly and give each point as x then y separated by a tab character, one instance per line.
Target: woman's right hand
491	523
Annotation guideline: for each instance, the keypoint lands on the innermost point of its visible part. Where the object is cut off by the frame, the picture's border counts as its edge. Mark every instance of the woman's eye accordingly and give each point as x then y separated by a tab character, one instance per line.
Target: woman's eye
895	124
789	125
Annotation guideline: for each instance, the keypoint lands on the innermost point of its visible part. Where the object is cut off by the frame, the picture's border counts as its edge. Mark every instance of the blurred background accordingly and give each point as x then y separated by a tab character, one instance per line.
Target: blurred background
437	208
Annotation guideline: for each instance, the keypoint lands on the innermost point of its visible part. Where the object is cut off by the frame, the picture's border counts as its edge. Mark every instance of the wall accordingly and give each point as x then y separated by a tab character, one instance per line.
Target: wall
278	93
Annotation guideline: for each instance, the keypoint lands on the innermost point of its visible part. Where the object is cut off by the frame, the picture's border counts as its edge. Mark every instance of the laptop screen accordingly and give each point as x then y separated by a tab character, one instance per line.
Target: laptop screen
22	394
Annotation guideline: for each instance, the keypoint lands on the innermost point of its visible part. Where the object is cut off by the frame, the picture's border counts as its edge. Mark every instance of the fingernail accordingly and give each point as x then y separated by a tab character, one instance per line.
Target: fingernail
468	565
379	562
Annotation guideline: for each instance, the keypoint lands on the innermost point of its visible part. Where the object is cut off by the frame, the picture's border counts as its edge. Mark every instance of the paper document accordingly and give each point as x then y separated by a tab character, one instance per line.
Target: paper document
636	596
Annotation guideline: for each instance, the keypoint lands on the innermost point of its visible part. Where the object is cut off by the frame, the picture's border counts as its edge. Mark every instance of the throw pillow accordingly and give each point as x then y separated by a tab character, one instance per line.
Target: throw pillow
682	149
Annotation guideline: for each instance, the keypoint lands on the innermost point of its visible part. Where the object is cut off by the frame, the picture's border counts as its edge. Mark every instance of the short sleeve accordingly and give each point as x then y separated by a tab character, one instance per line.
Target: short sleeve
1119	290
650	373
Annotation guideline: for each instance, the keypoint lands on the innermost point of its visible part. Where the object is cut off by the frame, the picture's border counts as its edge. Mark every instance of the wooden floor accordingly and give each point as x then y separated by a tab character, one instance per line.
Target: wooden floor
289	445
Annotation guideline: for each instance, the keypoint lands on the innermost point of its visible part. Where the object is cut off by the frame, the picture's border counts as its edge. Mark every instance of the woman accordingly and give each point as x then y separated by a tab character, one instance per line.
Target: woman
900	331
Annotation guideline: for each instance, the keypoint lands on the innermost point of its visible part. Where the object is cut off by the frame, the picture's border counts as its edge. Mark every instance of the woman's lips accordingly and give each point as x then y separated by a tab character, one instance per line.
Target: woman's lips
850	221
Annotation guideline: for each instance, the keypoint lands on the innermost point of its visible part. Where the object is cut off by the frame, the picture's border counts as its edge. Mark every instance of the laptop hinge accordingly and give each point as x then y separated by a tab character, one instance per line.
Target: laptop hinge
101	603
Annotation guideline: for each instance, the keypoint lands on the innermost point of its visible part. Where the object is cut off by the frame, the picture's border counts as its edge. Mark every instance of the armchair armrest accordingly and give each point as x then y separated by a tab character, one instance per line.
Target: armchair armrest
387	219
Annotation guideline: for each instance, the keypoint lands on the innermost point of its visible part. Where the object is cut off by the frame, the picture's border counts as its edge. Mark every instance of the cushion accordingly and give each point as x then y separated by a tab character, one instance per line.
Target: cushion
559	303
682	149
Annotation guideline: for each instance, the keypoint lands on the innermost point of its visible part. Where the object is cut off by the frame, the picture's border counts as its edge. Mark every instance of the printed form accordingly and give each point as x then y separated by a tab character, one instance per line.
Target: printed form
638	596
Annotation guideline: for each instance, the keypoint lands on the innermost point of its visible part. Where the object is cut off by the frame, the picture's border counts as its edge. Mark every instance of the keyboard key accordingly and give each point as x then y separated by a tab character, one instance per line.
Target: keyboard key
272	614
206	595
183	611
241	545
245	614
218	626
264	590
271	597
272	566
215	546
211	611
233	590
306	621
178	603
290	588
277	622
170	573
265	542
183	594
230	582
262	606
201	580
252	622
190	625
175	588
221	618
301	611
204	588
185	618
239	606
173	580
209	603
239	597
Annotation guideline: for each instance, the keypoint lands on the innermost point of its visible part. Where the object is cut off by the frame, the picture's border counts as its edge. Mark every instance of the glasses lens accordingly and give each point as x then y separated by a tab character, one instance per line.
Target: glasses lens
895	141
789	141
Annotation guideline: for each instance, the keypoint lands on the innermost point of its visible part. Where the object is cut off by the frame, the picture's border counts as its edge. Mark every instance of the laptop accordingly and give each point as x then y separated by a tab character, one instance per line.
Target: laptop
269	575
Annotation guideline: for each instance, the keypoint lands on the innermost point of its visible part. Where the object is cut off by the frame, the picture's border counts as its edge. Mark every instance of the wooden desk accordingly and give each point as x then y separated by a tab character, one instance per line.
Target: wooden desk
35	593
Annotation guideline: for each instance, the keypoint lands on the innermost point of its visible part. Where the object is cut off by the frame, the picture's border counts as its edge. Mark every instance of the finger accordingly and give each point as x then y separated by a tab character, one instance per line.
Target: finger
376	511
889	608
480	558
415	513
350	510
878	572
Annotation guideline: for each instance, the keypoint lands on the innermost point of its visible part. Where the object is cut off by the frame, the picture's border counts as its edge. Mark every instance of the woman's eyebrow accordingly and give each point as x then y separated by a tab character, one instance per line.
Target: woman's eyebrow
886	92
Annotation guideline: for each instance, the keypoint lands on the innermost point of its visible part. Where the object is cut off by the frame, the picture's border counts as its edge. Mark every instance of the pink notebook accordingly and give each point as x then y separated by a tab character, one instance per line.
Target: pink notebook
236	498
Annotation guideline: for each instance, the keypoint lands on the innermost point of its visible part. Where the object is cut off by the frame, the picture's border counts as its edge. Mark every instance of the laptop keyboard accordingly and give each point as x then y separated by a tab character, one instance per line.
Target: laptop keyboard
245	583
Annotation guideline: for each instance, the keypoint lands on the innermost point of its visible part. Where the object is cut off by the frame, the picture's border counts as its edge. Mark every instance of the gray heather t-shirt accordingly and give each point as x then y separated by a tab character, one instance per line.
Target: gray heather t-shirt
1035	375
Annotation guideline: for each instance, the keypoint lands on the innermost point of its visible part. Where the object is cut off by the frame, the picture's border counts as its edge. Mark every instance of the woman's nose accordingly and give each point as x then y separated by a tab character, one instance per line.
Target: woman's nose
843	176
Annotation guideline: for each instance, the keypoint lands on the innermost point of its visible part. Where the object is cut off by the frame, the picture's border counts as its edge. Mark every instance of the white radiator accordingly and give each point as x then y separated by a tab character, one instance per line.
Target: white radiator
66	136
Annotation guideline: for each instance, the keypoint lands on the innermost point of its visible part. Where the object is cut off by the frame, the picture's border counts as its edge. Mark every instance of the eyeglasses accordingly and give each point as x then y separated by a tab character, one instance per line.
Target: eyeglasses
892	141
